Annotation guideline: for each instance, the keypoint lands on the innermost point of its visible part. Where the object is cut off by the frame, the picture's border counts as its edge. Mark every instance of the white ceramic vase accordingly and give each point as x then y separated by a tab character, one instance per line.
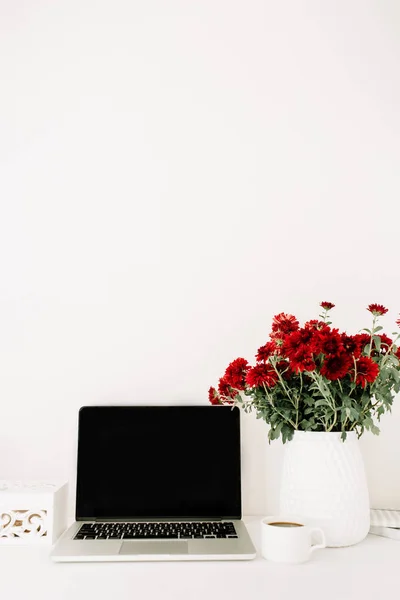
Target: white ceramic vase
323	479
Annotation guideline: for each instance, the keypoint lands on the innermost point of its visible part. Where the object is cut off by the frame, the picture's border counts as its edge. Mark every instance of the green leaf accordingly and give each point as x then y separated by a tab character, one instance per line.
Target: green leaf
276	432
368	423
396	375
273	435
354	414
377	342
321	403
287	433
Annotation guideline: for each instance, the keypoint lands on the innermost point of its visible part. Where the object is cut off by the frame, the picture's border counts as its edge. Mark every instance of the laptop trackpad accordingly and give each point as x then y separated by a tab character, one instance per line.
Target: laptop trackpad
149	548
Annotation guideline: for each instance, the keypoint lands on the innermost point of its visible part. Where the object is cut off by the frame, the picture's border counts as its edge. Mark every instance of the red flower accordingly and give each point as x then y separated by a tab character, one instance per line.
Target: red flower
294	342
377	309
299	347
327	305
283	324
213	396
226	392
302	361
266	351
362	339
336	366
367	371
398	322
351	344
317	325
330	342
235	373
261	374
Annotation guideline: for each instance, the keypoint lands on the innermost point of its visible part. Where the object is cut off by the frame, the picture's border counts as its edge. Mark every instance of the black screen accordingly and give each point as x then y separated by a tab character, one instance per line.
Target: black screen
158	462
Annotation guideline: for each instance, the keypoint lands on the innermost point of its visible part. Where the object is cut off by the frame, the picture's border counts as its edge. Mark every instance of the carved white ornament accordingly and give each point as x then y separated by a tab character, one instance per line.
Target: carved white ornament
32	512
23	523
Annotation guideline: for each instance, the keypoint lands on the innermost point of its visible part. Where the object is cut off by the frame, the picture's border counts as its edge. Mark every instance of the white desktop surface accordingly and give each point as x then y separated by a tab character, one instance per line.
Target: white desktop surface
369	570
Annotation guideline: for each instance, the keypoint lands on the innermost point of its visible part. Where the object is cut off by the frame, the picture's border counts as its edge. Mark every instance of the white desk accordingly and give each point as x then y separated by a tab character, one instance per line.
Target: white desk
370	570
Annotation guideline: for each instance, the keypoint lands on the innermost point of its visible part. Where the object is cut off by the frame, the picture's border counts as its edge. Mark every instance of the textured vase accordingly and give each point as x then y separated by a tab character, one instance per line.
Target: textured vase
323	480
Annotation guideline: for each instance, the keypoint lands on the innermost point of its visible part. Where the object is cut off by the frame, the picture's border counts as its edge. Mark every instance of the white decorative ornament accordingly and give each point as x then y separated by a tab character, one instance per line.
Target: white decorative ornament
324	479
32	512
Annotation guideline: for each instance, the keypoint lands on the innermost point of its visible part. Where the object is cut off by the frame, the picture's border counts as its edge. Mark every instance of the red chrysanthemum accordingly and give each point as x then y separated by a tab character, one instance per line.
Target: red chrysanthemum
235	373
266	351
327	305
336	366
398	322
223	387
329	342
317	325
351	344
261	374
377	310
362	339
299	347
367	371
302	361
225	391
300	341
213	396
283	324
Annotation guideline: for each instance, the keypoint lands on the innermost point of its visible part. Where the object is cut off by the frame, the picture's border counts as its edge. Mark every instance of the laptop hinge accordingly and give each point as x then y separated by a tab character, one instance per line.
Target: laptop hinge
159	519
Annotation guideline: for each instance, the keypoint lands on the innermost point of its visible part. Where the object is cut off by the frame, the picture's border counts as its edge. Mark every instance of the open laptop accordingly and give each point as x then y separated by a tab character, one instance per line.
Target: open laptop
157	483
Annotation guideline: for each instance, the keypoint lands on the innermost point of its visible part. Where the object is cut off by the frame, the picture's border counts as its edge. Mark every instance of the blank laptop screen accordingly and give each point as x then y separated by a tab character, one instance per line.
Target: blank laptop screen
158	462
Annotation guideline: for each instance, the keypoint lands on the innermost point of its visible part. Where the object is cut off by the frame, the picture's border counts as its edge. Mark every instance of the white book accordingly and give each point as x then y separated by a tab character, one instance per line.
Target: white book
385	517
386	523
389	532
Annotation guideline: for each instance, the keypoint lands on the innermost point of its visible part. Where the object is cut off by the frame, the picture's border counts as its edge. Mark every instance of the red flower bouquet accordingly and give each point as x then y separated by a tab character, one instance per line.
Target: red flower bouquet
315	378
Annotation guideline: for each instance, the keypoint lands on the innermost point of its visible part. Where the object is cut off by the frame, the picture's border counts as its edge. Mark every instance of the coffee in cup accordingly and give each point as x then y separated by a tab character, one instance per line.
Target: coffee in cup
286	524
289	540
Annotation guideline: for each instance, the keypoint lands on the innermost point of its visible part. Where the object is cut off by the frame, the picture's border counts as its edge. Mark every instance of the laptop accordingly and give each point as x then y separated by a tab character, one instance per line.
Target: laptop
157	483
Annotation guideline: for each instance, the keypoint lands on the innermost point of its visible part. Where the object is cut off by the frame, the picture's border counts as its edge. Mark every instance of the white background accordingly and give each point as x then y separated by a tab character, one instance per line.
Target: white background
173	174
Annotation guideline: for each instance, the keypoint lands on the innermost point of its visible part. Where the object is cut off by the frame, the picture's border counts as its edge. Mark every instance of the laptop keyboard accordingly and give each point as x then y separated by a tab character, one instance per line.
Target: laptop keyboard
173	530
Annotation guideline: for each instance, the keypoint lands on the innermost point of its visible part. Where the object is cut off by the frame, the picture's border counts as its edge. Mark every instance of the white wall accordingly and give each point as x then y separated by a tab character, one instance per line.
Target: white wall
172	175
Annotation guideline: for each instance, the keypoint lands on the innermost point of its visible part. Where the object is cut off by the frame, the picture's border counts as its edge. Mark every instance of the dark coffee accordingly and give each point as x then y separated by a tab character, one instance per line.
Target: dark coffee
285	524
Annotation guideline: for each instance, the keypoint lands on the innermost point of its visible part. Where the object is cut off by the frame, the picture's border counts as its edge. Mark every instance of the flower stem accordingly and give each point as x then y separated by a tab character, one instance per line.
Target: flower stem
278	411
355	371
372	333
282	382
330	401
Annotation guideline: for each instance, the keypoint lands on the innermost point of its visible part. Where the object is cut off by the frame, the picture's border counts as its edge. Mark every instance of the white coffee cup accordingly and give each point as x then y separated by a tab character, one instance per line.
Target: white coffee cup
289	539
